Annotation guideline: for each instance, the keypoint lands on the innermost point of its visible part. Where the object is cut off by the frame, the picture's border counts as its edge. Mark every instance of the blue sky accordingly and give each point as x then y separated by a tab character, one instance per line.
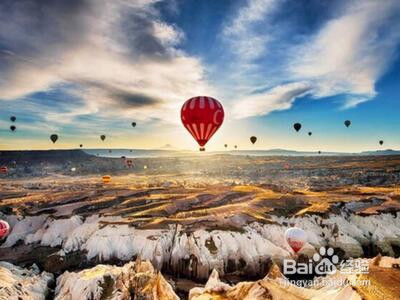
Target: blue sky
82	68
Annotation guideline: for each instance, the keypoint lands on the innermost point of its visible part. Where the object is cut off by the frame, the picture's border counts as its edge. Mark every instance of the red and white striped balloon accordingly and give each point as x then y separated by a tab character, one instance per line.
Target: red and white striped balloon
4	229
202	116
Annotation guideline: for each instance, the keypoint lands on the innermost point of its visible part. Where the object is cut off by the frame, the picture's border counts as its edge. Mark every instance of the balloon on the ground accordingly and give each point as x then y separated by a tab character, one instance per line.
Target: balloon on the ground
297	126
202	116
4	229
12	128
296	238
347	123
13	118
106	179
73	169
253	139
54	138
102	137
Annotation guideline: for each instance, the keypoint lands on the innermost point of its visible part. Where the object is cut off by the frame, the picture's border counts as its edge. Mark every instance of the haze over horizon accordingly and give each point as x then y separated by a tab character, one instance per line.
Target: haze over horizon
83	68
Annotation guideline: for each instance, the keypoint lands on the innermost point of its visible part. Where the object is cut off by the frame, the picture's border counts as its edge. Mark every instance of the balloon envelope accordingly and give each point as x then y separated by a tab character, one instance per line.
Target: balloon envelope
202	116
226	145
102	137
296	238
347	123
12	128
54	138
309	133
133	124
4	229
253	139
297	126
380	142
13	118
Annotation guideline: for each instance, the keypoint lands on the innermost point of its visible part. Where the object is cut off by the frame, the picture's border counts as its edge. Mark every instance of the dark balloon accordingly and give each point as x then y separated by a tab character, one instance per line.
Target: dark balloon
130	150
347	123
13	119
319	152
133	124
226	145
81	145
381	142
110	151
253	139
297	126
54	138
309	133
102	137
235	146
12	128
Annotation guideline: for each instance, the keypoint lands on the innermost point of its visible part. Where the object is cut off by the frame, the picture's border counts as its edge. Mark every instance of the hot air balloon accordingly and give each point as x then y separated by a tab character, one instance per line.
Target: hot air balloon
347	123
310	133
130	150
297	126
106	179
319	152
13	118
129	163
4	229
3	170
110	151
73	169
145	167
381	142
81	145
202	116
12	128
102	137
226	145
296	238
133	124
235	146
54	138
253	139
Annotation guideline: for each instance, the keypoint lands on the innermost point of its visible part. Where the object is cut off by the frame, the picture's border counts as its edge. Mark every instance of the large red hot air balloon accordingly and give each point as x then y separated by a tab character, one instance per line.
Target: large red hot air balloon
202	116
4	229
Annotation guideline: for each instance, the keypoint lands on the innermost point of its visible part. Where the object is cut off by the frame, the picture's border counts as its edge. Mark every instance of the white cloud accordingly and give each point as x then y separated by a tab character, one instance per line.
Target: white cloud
278	98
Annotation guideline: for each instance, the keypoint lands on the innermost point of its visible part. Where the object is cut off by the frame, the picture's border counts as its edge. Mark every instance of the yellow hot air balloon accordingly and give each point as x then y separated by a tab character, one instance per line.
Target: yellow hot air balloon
106	179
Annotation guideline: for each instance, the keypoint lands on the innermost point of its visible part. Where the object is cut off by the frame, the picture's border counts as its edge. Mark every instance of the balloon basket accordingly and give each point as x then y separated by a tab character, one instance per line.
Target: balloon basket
202	149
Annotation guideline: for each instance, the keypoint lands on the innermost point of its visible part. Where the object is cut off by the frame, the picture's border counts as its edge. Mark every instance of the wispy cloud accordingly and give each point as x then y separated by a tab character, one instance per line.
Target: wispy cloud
345	56
119	57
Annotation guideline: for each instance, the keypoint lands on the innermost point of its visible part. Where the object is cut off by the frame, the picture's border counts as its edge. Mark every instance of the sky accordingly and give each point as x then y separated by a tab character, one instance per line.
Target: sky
82	68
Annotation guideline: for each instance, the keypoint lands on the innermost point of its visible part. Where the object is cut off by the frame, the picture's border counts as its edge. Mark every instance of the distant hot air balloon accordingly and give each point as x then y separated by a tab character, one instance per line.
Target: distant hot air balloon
110	151
310	133
102	137
297	126
296	238
4	229
381	142
54	138
145	167
13	118
347	123
12	128
73	169
106	179
3	170
133	124
253	139
81	145
130	150
129	163
319	152
202	116
235	146
226	145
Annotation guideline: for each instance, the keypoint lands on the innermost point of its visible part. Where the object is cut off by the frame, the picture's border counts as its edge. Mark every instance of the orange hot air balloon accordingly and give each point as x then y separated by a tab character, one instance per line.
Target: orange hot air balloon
129	163
202	116
4	229
106	179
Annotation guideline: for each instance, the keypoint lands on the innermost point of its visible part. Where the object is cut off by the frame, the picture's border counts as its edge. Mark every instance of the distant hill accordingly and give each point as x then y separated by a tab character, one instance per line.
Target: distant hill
381	152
